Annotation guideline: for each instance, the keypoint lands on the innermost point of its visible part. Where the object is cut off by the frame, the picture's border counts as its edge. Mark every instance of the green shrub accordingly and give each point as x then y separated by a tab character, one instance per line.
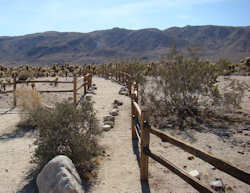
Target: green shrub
24	75
65	130
185	88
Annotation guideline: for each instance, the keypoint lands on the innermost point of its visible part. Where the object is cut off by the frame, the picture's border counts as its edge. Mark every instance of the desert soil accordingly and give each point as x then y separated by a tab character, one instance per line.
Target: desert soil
119	167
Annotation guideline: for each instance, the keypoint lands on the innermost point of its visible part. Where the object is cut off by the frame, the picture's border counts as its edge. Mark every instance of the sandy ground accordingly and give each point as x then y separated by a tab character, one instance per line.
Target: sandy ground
119	168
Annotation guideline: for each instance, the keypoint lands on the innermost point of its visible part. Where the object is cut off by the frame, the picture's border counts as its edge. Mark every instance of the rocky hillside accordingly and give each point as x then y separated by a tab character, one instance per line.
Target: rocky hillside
213	42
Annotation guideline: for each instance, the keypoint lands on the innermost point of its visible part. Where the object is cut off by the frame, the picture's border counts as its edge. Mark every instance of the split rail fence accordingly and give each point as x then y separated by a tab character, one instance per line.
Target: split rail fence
141	131
83	82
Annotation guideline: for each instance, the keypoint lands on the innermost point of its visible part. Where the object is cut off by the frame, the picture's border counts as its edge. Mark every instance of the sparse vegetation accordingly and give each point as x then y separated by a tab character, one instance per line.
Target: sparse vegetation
186	89
62	130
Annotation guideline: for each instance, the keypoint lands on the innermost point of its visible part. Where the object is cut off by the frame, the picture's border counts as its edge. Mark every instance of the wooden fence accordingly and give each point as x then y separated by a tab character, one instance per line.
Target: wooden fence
84	81
141	131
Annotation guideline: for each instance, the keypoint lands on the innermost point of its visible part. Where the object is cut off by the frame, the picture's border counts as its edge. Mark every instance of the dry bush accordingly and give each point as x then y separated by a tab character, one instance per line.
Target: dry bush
28	99
186	88
24	75
66	130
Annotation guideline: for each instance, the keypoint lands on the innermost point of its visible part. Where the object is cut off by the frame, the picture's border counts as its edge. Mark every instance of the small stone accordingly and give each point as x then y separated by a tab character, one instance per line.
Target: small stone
184	167
111	123
123	92
190	157
109	118
217	185
119	103
106	127
241	152
115	106
114	112
213	168
195	173
6	170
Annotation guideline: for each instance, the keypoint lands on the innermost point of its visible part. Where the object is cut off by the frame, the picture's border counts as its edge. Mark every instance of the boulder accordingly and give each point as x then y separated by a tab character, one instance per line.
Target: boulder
59	176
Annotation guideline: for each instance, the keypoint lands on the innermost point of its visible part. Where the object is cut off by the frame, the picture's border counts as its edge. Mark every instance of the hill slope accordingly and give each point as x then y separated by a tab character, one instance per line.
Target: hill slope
107	45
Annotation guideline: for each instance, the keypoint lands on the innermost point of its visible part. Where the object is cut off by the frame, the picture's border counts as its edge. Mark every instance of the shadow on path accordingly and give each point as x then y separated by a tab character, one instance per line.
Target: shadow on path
17	133
144	184
31	186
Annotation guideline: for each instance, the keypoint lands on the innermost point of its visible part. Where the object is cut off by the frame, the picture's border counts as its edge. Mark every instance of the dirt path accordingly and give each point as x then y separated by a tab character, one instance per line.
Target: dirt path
119	169
15	151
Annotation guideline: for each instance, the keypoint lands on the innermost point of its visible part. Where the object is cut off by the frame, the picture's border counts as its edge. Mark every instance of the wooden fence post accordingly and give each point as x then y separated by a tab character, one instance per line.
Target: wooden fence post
116	77
134	136
129	86
136	89
144	144
74	89
14	91
85	84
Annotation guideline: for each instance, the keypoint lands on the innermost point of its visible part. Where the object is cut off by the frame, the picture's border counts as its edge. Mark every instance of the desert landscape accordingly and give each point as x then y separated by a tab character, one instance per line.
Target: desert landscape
125	96
118	170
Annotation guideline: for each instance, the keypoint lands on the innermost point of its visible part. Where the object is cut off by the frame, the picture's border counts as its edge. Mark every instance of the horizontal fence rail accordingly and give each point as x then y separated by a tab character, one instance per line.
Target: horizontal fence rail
141	131
84	81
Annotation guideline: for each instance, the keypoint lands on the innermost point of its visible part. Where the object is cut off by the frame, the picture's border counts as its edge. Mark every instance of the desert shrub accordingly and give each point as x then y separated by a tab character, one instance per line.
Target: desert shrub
28	99
65	130
185	88
24	75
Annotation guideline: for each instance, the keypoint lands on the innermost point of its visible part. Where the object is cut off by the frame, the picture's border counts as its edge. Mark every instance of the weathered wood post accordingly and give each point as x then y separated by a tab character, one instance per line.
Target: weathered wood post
74	89
85	84
89	81
145	139
14	91
136	91
129	85
116	75
134	136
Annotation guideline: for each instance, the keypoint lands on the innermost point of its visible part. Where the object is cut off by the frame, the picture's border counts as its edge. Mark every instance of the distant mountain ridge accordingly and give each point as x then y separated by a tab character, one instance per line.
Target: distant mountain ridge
214	42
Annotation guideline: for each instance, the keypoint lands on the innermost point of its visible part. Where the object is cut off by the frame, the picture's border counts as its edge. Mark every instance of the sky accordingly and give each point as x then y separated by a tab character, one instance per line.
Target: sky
19	17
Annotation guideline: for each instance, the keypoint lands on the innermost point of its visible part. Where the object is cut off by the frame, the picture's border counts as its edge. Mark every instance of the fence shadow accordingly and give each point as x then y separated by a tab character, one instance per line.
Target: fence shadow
145	188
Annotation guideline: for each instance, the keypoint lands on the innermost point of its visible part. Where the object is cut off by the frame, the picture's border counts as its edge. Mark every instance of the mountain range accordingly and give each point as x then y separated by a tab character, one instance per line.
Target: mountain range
210	42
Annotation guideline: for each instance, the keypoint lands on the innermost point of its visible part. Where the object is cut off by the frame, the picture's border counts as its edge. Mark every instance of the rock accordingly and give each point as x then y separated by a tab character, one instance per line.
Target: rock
217	185
119	103
123	92
59	176
190	157
106	127
195	173
114	112
241	152
111	123
123	89
109	118
115	106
